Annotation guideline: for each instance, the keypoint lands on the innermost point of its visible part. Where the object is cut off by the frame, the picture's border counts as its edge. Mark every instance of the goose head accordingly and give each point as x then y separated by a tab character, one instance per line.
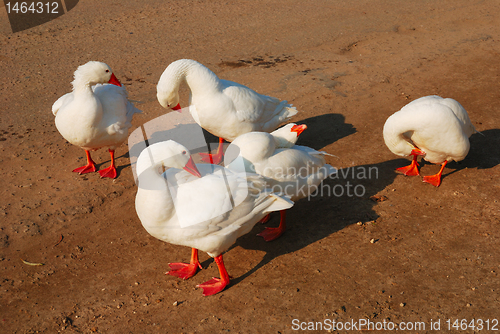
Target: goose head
298	129
168	100
167	92
92	73
400	143
169	154
287	135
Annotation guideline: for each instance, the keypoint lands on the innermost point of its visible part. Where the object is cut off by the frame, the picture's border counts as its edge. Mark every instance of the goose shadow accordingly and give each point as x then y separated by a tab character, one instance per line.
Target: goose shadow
342	200
184	131
332	127
137	147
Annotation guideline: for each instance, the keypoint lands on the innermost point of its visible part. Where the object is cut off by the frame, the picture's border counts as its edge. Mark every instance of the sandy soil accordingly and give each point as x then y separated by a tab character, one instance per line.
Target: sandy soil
422	254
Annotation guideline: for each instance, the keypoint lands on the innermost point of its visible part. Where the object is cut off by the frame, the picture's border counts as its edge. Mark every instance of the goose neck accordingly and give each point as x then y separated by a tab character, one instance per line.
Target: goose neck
199	78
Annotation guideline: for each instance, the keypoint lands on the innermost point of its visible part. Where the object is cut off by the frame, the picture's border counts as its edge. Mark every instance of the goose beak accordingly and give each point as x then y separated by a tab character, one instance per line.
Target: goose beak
299	129
191	168
177	107
417	151
114	81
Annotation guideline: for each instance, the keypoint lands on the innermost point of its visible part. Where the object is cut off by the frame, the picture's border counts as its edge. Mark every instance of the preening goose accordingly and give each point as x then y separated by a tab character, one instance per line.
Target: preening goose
433	127
224	108
95	114
294	170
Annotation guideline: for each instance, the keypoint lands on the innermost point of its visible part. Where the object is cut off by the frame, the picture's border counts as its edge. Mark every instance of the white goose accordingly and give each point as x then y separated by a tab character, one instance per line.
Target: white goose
437	129
293	170
195	209
95	115
224	108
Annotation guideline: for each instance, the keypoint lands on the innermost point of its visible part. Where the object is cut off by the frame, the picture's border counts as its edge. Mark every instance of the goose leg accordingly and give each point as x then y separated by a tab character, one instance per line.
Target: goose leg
89	167
435	180
216	285
272	233
216	158
412	169
184	270
111	170
265	219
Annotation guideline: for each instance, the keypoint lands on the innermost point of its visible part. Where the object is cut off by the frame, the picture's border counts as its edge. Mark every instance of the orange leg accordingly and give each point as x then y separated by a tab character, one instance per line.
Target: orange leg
435	180
89	167
184	270
111	170
412	169
216	158
216	285
272	233
265	219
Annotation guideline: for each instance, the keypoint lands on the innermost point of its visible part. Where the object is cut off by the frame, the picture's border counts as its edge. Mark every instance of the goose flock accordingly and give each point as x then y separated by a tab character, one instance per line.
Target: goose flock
208	206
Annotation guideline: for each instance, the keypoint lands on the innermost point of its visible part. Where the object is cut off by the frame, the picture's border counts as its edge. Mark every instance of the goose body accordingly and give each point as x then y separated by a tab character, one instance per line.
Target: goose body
192	207
293	170
436	128
222	107
96	114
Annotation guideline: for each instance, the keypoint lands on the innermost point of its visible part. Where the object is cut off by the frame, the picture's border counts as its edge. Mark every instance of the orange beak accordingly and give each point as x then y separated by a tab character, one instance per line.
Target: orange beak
417	151
177	107
114	81
191	168
299	129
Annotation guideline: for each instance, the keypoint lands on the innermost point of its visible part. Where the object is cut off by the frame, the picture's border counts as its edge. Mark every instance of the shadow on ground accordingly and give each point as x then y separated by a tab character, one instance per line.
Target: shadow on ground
346	200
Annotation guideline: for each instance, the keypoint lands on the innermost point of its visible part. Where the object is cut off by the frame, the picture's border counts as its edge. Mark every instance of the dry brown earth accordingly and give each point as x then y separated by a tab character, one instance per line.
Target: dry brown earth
346	66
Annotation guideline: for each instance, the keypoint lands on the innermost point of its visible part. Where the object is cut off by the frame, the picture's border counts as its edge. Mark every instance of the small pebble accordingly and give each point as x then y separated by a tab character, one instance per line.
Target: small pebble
175	303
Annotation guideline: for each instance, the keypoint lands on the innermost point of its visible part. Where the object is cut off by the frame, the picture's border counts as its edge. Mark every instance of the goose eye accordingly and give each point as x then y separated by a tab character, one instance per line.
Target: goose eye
107	71
184	152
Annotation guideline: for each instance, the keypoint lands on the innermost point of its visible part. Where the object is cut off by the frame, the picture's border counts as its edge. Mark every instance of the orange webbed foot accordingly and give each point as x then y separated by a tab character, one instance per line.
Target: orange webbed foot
111	170
410	170
88	168
216	285
108	172
213	286
85	169
435	180
216	158
183	270
273	233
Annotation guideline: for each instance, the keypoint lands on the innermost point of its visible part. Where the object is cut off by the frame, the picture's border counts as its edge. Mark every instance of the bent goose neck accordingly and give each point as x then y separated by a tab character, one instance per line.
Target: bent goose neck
199	78
397	134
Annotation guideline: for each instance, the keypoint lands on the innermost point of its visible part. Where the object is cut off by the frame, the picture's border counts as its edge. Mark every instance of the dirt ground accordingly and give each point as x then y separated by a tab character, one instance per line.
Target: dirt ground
421	254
